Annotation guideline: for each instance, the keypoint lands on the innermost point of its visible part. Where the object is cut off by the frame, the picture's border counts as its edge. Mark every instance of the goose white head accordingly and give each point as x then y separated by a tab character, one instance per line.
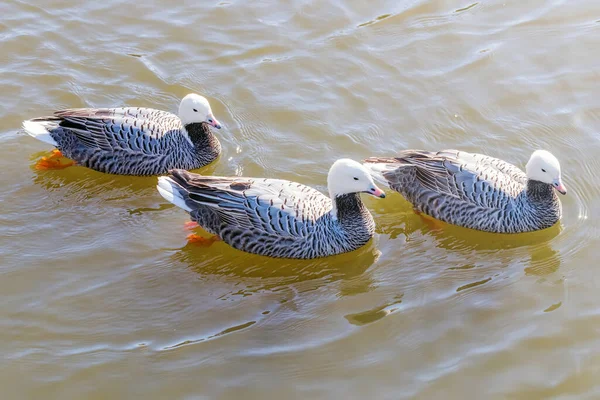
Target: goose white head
544	167
348	176
194	109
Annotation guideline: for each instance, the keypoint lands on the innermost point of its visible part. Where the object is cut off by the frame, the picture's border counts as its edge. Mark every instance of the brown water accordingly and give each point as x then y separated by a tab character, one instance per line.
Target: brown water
101	297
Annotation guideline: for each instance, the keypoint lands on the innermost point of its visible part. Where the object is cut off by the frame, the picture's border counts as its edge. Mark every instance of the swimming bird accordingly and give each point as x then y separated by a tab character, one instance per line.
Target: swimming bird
279	218
131	140
474	190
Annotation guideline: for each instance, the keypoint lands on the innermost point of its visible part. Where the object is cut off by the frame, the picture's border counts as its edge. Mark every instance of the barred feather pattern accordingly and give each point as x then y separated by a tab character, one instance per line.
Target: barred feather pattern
470	190
130	140
273	217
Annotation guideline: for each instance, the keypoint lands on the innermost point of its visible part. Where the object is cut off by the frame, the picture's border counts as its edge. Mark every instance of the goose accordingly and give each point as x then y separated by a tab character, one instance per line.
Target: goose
279	218
130	140
474	190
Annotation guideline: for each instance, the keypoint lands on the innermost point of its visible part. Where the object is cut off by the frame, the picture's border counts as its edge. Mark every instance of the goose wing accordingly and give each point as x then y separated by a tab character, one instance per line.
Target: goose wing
127	128
474	178
269	206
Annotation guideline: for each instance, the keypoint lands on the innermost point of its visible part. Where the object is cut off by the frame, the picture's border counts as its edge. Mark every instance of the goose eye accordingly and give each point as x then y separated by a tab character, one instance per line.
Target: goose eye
195	110
355	178
543	170
210	120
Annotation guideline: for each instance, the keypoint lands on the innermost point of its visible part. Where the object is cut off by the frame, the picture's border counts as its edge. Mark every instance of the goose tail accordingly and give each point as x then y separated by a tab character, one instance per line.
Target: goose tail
378	167
39	128
172	192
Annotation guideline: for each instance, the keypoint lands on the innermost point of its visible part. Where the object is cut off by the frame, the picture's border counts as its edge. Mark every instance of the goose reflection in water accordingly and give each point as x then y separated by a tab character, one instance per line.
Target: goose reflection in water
457	248
259	273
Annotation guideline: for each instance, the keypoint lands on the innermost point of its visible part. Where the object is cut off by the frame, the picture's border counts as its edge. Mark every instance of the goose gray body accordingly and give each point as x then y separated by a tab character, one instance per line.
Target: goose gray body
272	217
470	190
131	141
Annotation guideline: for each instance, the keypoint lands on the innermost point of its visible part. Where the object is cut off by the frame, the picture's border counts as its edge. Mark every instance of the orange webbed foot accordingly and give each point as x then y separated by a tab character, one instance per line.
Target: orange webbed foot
56	153
55	160
52	163
190	225
202	241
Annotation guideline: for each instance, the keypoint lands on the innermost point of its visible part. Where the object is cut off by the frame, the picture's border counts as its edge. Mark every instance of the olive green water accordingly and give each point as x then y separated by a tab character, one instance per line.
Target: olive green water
102	297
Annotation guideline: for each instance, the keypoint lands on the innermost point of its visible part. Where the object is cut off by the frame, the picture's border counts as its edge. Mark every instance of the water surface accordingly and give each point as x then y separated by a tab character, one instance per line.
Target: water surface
102	297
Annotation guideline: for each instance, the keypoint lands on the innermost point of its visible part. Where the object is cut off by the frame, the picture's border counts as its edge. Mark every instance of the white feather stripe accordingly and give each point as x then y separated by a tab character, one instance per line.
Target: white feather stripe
170	191
38	130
